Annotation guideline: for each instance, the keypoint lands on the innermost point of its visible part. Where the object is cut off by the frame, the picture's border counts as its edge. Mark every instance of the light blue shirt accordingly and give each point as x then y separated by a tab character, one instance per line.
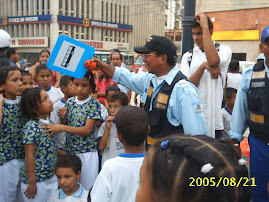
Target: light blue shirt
184	103
240	110
78	193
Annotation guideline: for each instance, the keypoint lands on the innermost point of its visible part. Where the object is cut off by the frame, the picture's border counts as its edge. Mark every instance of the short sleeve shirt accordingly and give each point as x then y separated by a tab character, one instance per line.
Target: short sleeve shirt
78	113
11	146
45	151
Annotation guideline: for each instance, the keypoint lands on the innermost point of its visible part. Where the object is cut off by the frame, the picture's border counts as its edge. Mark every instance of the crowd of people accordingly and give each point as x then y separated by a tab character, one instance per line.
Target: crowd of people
70	139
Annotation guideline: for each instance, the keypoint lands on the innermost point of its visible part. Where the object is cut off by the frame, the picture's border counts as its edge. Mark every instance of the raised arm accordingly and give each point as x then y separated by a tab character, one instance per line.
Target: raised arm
209	47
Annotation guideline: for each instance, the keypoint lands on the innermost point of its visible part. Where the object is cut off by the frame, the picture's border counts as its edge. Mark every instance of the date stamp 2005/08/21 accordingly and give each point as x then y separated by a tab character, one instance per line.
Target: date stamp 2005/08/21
222	181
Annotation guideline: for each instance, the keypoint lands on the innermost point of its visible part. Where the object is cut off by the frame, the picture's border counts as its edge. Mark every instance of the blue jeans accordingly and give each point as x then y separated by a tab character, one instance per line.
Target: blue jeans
259	168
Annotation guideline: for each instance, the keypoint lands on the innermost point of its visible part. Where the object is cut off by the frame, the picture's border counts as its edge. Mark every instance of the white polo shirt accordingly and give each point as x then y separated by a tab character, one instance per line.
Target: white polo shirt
198	57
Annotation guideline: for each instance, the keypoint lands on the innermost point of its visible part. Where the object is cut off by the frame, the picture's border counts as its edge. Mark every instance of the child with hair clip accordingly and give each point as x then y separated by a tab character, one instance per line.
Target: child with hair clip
80	114
11	124
38	178
192	169
68	171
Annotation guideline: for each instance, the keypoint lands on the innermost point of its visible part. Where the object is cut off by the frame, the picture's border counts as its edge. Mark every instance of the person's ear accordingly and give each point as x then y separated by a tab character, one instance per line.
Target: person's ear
164	58
261	47
63	88
78	175
120	137
211	32
148	129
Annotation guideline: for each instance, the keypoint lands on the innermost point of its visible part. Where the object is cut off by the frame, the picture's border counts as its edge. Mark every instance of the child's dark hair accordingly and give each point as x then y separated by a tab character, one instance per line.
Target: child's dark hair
197	24
112	88
4	73
234	66
25	73
69	161
28	103
132	125
64	81
89	75
122	97
229	93
44	50
41	67
177	164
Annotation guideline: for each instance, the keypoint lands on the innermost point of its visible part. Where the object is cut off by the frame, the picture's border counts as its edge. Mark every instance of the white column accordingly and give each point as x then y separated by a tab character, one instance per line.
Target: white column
54	26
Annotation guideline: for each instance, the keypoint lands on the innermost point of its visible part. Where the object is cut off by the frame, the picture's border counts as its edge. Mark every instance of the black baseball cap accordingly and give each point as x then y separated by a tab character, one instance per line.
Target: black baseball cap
159	44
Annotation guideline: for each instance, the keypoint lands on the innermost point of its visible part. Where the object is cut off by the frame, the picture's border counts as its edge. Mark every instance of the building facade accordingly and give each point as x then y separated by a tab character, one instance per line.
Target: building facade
238	24
104	24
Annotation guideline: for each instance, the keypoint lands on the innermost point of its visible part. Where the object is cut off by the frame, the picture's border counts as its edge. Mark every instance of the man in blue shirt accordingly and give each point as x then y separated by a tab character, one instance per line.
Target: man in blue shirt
172	102
13	56
251	110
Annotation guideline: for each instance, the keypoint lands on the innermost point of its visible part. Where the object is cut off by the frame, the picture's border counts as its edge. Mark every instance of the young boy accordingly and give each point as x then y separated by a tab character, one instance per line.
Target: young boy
109	144
230	95
27	80
44	76
119	177
68	171
66	85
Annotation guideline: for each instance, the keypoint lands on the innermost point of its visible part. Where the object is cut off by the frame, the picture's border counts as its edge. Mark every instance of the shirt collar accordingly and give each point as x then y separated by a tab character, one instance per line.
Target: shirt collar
48	89
62	100
11	101
78	193
132	155
171	75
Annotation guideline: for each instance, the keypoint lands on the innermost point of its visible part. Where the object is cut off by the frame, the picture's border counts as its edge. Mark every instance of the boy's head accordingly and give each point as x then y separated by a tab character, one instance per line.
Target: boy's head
27	80
116	101
234	66
43	75
68	171
132	125
111	89
66	85
230	95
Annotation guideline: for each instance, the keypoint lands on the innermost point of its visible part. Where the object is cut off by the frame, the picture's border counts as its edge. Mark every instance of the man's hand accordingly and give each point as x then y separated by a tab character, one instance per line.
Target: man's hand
202	20
214	71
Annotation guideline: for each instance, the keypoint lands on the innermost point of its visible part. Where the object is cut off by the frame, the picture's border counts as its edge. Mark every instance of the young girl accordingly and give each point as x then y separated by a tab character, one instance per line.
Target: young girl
43	58
11	147
102	83
193	168
81	111
38	178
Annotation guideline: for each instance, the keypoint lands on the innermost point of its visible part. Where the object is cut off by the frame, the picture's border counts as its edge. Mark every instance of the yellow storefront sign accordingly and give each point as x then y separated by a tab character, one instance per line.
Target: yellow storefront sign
239	35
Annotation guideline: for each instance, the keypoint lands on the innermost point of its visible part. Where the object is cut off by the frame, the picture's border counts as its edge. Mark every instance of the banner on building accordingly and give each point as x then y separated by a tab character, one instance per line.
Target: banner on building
106	45
93	23
26	42
25	19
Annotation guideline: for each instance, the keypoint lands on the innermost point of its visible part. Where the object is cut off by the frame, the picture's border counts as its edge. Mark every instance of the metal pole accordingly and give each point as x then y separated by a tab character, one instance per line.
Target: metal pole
189	13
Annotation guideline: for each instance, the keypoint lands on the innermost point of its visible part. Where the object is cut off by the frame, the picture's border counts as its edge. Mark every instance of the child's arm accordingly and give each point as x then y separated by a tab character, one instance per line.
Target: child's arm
1	108
62	114
82	131
31	189
103	141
